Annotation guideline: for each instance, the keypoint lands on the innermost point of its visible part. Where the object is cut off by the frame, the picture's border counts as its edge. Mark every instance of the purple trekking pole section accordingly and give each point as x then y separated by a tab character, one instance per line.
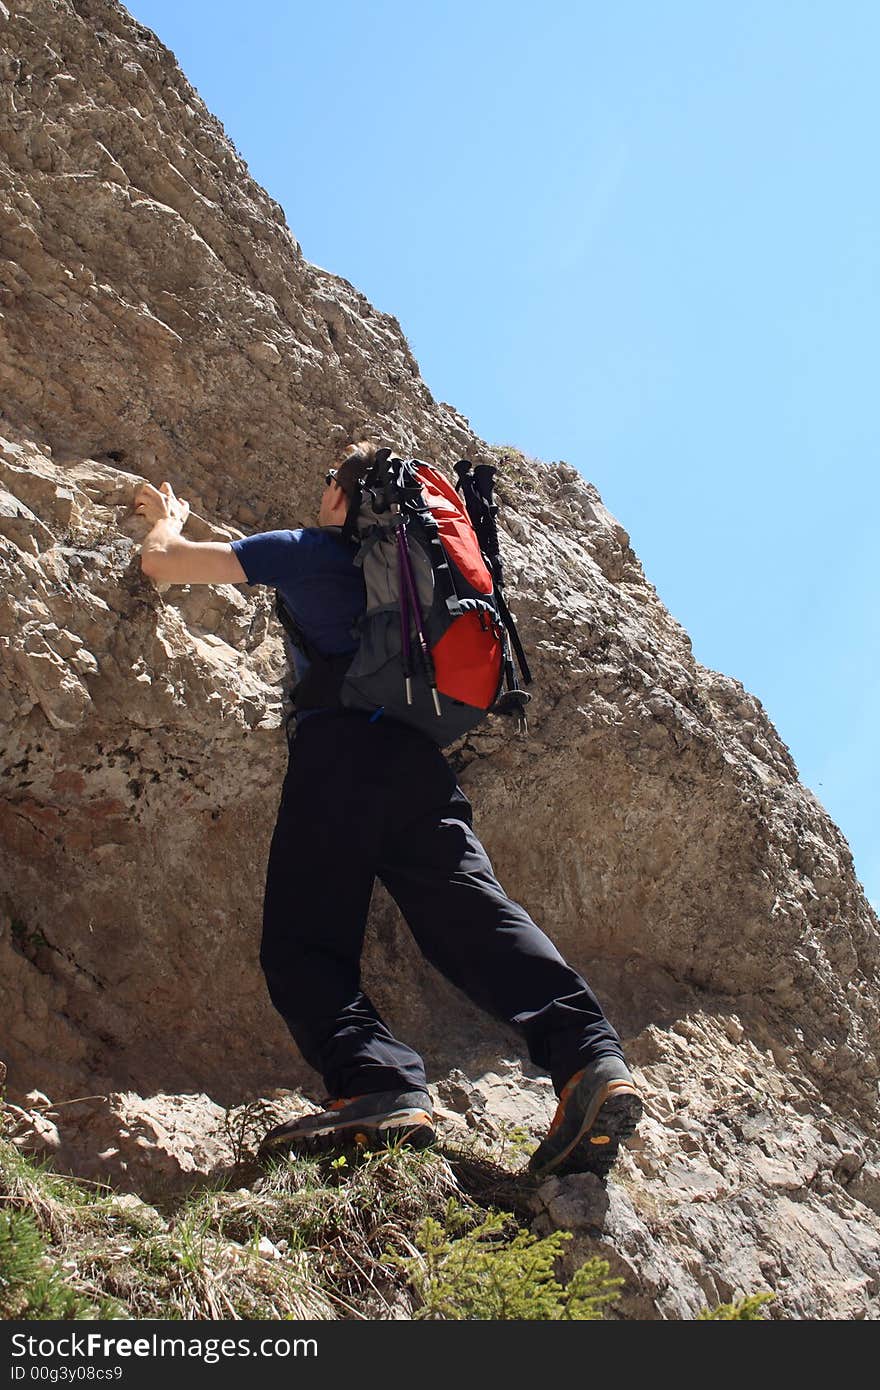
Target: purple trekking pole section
413	596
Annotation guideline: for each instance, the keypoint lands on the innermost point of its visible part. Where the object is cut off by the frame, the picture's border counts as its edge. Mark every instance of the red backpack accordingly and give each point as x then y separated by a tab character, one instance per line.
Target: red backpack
435	639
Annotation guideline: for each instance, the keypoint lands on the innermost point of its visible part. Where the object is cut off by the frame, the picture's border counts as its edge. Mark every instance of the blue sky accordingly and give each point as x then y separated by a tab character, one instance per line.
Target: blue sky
642	238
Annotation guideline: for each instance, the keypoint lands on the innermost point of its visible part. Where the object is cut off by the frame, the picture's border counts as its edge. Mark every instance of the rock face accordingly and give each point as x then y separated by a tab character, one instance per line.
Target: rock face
159	321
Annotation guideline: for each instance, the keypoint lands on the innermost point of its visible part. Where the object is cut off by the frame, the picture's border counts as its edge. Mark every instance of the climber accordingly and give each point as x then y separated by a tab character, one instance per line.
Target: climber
366	797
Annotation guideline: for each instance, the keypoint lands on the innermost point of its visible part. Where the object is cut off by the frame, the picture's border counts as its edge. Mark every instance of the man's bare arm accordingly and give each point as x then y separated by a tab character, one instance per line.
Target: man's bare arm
169	559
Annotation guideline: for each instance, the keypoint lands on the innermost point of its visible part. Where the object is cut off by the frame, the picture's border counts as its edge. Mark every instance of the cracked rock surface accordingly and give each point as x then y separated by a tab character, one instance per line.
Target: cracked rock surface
159	321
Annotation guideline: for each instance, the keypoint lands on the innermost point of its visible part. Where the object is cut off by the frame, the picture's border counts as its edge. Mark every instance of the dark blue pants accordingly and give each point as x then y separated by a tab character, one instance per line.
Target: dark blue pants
362	799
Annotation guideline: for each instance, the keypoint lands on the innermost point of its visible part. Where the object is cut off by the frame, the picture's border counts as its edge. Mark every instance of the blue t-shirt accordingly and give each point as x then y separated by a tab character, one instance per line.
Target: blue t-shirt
323	588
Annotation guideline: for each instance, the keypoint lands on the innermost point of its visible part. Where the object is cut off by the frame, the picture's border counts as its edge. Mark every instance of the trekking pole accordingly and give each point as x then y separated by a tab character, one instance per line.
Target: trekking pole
424	649
410	608
405	619
477	489
392	504
484	482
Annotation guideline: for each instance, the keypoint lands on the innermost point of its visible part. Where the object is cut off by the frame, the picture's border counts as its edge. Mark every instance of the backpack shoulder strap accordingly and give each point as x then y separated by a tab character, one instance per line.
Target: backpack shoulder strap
294	632
320	686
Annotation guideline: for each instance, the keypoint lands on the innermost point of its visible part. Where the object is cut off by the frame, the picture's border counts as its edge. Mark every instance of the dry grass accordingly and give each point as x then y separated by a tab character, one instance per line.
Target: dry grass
308	1238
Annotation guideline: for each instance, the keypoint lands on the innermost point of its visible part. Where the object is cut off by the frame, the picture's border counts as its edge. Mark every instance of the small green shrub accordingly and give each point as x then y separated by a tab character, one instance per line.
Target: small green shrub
25	938
747	1309
29	1286
482	1274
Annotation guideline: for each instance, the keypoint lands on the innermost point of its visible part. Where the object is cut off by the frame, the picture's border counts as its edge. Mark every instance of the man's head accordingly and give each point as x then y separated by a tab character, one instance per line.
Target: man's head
344	482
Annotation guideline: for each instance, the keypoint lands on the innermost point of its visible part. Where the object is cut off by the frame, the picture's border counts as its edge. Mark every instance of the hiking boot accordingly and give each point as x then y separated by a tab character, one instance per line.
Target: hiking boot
598	1108
372	1121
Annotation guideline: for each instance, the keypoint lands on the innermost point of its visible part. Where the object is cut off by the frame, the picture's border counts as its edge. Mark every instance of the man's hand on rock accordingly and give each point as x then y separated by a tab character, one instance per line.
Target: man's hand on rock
160	504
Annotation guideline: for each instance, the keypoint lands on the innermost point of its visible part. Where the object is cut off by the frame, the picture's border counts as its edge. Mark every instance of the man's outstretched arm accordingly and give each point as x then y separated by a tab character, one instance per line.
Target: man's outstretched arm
167	557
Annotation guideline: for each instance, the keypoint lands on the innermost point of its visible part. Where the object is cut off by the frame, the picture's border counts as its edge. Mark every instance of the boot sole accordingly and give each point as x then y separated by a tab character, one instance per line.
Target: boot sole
611	1119
415	1128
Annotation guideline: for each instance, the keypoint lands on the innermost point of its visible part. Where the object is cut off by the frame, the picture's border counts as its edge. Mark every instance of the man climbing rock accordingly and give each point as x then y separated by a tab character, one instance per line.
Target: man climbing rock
366	796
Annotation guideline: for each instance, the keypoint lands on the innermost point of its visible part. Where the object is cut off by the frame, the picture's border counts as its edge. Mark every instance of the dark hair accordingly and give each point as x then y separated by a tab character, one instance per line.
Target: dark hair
356	459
